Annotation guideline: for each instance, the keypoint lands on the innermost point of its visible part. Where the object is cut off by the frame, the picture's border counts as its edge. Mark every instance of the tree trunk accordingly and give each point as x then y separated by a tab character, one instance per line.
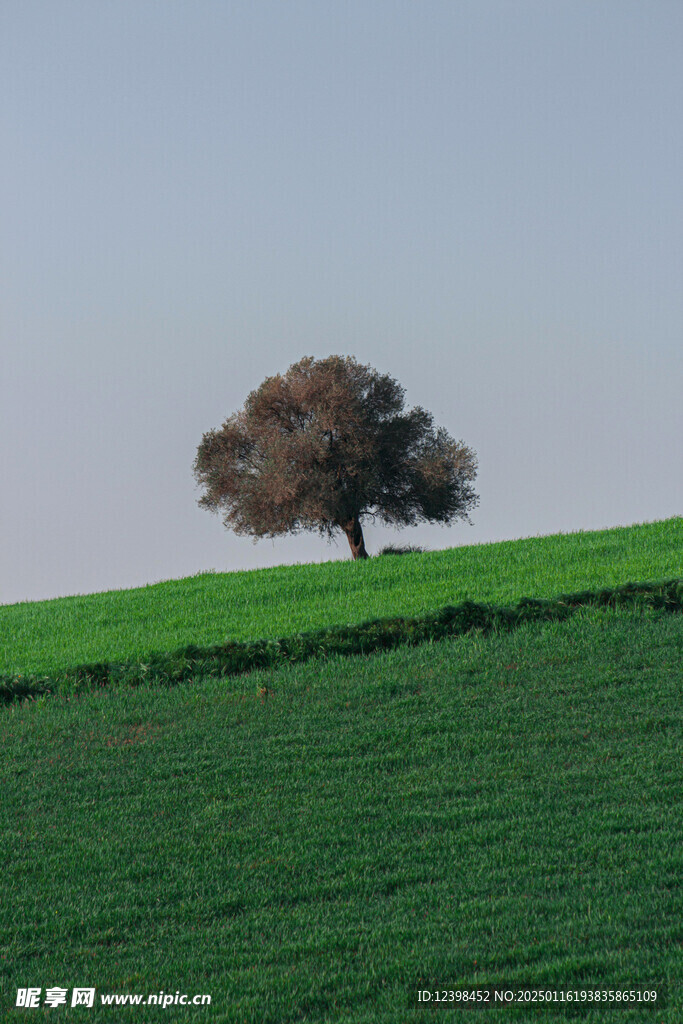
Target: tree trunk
354	535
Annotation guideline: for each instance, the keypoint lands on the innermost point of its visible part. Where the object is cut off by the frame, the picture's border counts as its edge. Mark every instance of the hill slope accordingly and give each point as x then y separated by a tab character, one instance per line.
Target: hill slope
42	637
316	842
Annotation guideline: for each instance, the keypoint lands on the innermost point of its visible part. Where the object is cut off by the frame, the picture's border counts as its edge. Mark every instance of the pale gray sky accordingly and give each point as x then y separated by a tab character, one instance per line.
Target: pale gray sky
481	198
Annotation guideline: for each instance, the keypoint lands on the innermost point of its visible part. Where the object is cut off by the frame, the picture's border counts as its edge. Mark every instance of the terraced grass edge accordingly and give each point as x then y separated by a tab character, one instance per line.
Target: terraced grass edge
236	658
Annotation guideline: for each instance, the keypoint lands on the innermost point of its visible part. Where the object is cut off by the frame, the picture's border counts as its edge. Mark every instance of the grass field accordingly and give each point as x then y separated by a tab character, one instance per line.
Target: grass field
314	843
44	636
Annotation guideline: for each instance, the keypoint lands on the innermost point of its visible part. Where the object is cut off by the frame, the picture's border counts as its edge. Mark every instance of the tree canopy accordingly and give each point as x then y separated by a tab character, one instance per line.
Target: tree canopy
325	445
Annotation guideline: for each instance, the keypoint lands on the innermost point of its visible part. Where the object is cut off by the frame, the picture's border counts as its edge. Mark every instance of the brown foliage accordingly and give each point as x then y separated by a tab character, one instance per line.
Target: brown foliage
325	444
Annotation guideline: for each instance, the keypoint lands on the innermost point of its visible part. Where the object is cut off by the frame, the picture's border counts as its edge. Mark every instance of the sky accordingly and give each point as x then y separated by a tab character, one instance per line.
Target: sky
481	198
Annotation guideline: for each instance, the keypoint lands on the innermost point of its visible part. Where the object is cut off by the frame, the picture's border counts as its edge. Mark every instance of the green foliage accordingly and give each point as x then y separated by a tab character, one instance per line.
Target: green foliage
407	549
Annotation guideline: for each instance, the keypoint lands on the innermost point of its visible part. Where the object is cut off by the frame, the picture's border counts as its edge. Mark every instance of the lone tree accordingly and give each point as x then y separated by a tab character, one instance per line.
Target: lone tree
326	444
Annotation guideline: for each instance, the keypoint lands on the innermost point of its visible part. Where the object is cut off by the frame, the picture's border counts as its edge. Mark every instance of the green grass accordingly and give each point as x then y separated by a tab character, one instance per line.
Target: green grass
43	637
235	658
310	844
313	843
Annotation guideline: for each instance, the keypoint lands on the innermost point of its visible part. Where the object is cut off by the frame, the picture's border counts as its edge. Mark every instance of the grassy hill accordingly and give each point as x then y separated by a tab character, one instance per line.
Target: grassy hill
318	842
44	636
